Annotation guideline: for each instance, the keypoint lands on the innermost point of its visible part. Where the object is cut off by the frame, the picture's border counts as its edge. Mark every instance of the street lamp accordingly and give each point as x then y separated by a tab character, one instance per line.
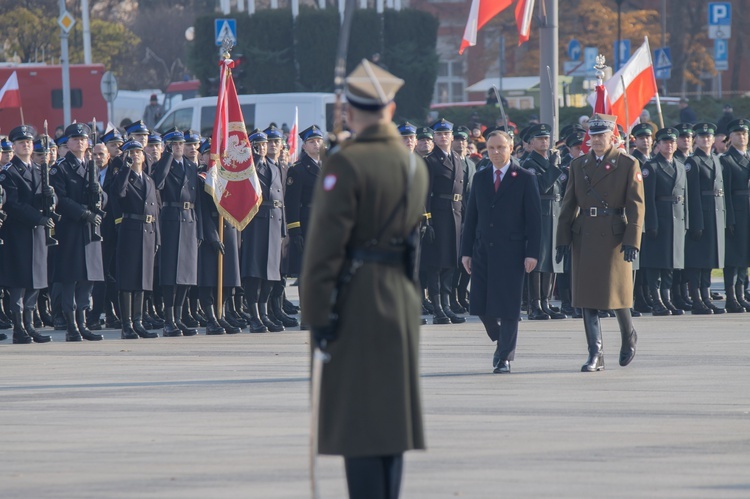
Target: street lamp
618	50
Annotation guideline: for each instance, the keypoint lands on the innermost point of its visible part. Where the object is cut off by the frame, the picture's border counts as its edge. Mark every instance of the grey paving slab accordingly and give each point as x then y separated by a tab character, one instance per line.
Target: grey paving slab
228	416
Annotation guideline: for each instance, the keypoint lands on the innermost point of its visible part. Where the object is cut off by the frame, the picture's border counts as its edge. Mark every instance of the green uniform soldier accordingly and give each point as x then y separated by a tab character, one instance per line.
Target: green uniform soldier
368	204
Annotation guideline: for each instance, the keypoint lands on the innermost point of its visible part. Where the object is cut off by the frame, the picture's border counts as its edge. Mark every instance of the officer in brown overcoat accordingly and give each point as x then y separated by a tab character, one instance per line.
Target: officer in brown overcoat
370	409
600	225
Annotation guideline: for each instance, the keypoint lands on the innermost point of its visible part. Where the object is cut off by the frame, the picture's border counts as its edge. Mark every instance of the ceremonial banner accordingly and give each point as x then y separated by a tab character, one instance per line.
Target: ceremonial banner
10	95
601	106
293	139
231	178
483	10
524	12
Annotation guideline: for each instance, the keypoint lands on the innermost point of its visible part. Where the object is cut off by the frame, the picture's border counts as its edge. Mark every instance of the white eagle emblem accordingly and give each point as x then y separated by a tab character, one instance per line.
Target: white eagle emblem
237	151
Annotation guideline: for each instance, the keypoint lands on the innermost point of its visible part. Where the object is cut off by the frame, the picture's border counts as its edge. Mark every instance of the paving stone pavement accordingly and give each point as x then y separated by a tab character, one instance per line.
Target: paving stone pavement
228	416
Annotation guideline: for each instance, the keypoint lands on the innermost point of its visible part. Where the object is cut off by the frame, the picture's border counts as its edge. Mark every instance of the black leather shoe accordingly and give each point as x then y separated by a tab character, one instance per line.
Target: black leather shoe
39	338
214	328
73	336
536	313
94	326
503	367
627	351
3	336
89	336
21	338
60	324
171	330
142	331
186	331
290	308
229	327
634	313
256	326
113	323
594	363
128	334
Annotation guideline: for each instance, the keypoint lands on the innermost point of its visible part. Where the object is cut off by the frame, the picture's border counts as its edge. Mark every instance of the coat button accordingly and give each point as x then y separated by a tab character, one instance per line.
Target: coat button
492	225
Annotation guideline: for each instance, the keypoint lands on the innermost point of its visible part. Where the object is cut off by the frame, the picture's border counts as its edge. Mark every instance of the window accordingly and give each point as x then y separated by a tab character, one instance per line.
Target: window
76	98
208	116
182	119
450	84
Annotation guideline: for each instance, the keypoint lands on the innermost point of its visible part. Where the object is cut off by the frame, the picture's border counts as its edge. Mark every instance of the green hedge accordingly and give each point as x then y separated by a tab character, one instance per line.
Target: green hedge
285	56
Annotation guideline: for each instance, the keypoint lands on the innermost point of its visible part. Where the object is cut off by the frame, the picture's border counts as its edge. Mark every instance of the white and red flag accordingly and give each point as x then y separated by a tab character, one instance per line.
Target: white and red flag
231	178
293	139
601	106
483	10
10	94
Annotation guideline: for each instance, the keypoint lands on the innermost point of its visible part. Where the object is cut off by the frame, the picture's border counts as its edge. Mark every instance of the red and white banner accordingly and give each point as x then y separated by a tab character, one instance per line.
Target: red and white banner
601	106
10	94
639	80
524	12
483	10
231	178
293	139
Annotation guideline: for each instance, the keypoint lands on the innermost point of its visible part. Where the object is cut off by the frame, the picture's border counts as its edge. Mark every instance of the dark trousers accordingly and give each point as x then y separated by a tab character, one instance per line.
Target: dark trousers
75	295
698	278
734	276
659	278
505	332
174	296
376	477
104	296
22	299
439	281
55	299
207	296
257	290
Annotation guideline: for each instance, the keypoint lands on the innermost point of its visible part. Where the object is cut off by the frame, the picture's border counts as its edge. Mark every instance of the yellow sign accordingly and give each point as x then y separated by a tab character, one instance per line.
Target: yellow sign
66	21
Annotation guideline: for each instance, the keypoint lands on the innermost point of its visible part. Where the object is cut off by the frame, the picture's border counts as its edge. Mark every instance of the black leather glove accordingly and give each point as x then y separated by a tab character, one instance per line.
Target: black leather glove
200	241
128	161
695	234
91	218
47	222
299	242
630	253
218	246
652	233
428	234
168	148
561	252
48	191
730	230
322	336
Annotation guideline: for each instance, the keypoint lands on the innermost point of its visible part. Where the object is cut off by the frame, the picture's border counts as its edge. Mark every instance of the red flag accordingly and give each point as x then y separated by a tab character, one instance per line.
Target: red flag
231	177
524	12
10	95
601	106
480	13
293	139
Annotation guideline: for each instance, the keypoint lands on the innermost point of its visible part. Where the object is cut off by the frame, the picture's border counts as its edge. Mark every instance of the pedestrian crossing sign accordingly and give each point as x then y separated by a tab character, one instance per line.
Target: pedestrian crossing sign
225	28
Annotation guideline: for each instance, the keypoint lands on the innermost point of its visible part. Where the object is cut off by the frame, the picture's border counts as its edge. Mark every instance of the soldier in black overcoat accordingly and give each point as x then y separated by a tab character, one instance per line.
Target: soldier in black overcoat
644	143
176	178
704	247
260	261
680	292
459	292
544	164
133	195
23	256
444	208
736	169
663	248
79	255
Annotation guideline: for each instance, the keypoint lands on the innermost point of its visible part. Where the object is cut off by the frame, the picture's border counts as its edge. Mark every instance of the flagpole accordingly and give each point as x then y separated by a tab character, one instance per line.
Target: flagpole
22	120
658	99
220	272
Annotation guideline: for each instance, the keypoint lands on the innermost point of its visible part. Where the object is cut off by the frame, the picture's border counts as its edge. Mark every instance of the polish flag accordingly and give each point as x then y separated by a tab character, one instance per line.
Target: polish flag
601	106
524	11
293	139
480	14
639	87
10	95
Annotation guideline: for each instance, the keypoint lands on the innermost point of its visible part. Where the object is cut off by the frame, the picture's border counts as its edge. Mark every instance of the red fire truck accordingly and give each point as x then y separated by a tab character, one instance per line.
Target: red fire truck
40	86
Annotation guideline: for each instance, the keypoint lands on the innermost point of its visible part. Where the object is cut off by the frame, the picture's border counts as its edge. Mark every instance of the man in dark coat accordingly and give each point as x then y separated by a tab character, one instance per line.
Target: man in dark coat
23	256
459	294
544	164
133	194
663	250
369	419
440	250
704	247
644	143
680	292
736	169
176	178
501	241
79	255
600	227
260	257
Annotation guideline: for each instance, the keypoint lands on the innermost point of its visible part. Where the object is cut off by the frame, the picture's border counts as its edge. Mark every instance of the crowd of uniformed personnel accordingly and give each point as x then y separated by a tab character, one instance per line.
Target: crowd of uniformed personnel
137	249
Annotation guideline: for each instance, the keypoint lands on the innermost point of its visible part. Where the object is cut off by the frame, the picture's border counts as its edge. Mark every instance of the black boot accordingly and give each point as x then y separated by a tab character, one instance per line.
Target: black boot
186	318
685	293
427	307
640	301
186	331
37	322
20	335
463	298
272	326
28	323
548	282
658	309
230	327
72	333
138	313
170	327
5	322
677	299
290	308
86	333
706	297
60	323
278	312
593	330
667	301
628	335
455	307
739	294
126	314
732	305
699	307
535	298
455	319
439	316
255	324
566	307
149	314
111	321
212	324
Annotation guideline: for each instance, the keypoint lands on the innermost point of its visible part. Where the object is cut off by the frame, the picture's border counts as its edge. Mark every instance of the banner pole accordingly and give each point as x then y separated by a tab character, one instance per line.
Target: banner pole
220	272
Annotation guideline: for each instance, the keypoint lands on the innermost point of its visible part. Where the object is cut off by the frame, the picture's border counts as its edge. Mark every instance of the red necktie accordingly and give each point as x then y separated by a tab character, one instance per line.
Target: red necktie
498	173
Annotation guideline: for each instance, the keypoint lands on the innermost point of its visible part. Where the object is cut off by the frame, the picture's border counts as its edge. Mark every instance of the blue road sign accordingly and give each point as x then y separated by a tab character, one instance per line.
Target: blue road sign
574	50
589	59
662	63
721	55
623	52
719	20
225	28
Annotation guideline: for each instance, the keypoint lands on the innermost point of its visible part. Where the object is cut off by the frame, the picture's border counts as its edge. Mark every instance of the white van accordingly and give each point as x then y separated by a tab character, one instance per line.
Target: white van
258	110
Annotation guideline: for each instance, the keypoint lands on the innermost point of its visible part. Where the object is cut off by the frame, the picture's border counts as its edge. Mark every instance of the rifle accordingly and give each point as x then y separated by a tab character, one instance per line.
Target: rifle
95	200
3	215
48	208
